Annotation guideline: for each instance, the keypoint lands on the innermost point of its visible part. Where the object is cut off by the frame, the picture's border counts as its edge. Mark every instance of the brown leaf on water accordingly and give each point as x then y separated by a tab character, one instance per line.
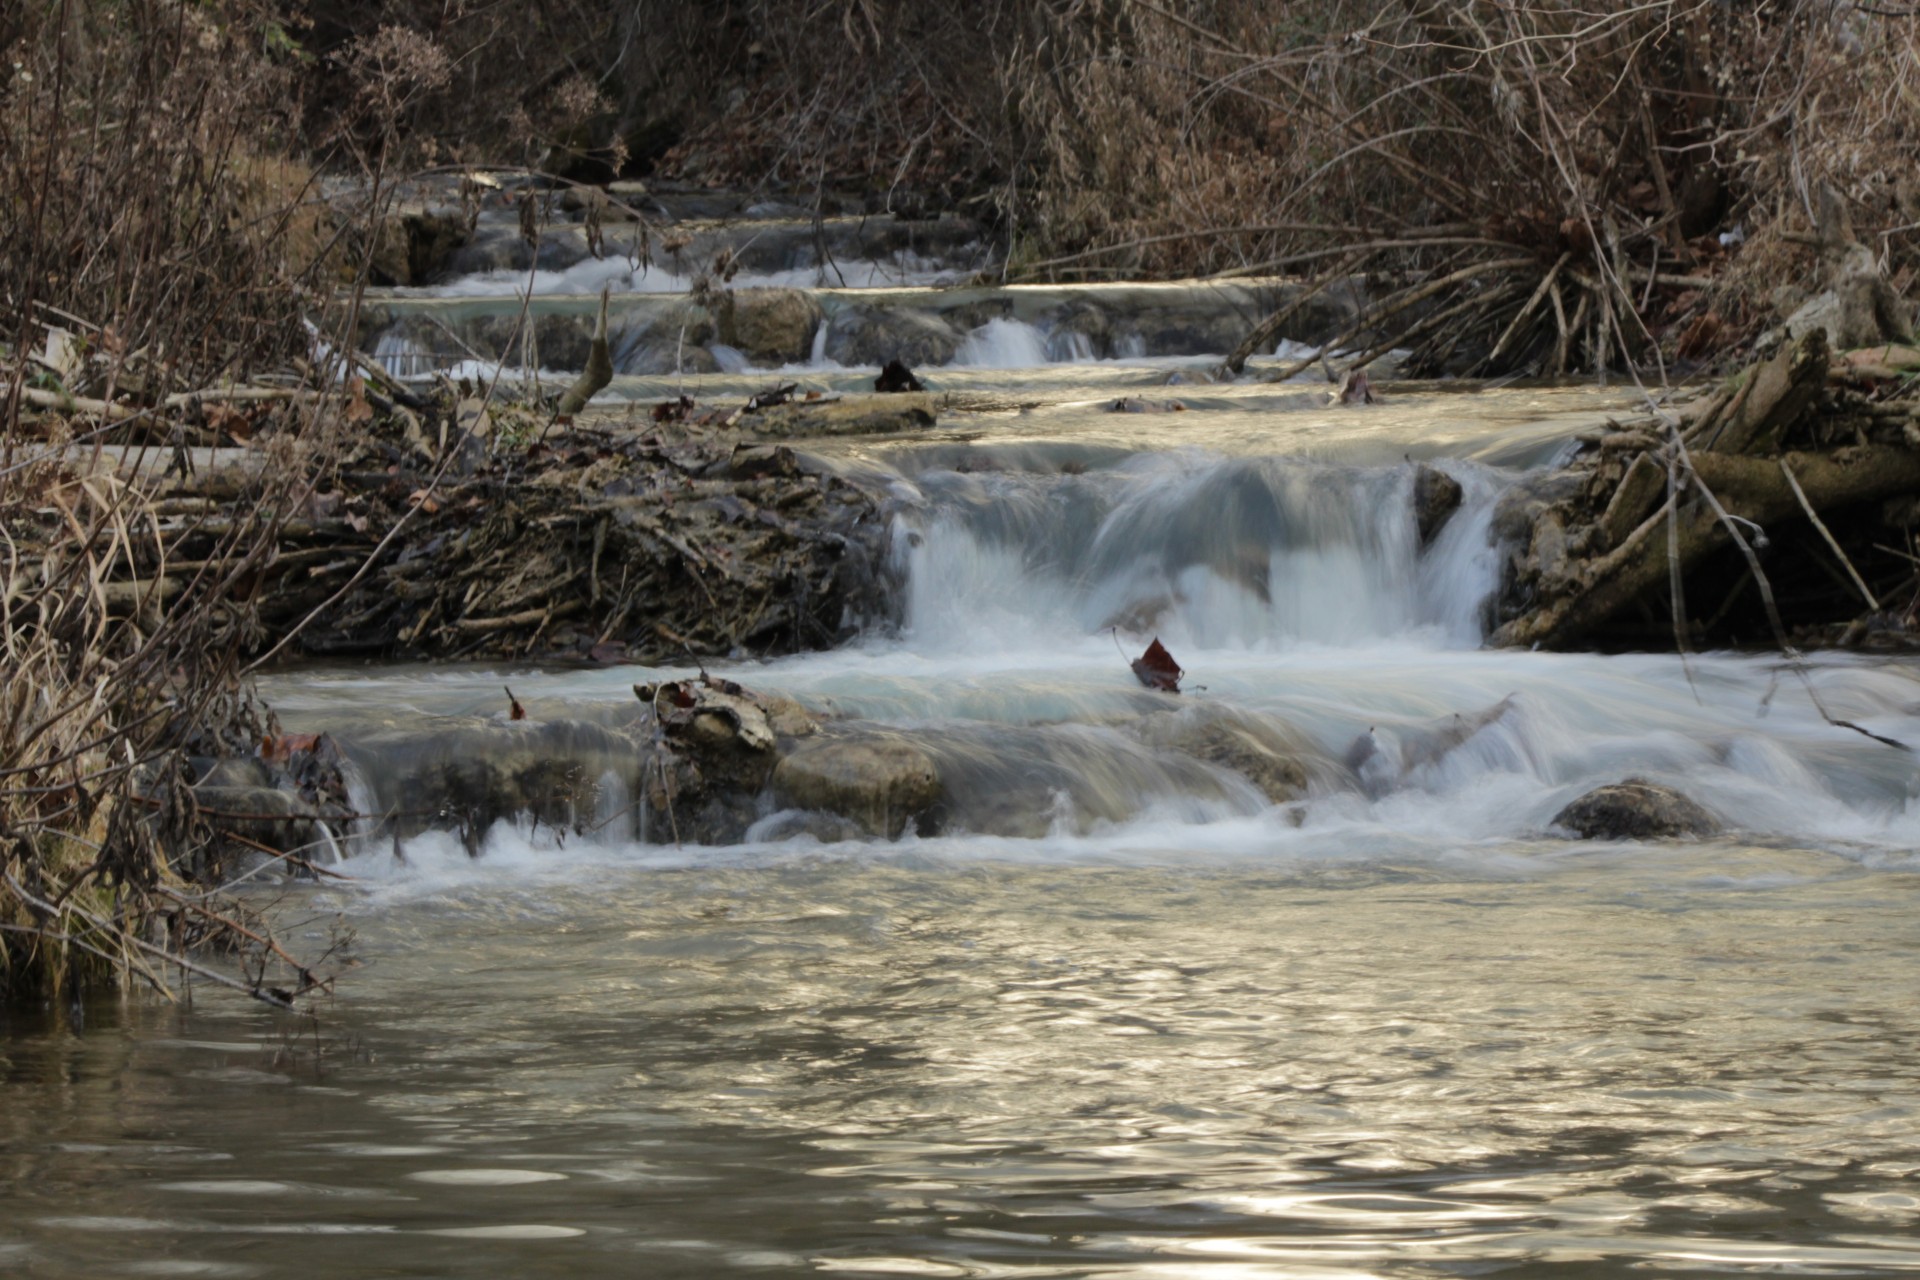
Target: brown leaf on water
515	710
1156	668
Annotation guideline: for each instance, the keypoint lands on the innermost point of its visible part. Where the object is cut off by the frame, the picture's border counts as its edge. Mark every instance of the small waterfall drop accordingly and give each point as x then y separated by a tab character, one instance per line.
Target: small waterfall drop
1207	551
1003	344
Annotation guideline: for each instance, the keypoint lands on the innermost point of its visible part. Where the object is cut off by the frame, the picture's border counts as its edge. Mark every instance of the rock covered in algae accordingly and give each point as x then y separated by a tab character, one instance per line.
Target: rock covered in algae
1635	809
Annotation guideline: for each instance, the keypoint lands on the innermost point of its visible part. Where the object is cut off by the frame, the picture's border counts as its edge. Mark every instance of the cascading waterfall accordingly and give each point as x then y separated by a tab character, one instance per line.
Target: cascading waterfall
1270	539
1208	551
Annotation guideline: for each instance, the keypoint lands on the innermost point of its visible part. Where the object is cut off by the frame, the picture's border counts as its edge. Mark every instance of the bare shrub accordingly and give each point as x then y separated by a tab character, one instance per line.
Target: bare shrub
156	242
1619	142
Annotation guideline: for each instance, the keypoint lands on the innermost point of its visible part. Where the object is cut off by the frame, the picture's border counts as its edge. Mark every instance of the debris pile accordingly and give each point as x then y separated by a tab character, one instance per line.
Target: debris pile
1778	509
600	545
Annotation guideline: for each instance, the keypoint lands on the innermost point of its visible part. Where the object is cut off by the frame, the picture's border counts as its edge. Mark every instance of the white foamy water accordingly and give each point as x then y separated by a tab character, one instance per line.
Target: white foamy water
1205	551
1004	344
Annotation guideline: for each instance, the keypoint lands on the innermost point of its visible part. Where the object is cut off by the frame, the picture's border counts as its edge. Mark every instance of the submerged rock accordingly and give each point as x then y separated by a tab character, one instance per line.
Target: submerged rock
1381	761
1635	809
880	783
1281	763
846	416
1282	779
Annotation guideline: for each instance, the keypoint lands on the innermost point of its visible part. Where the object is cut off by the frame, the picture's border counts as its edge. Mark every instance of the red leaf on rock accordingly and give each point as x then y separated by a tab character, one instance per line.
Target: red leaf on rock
1156	669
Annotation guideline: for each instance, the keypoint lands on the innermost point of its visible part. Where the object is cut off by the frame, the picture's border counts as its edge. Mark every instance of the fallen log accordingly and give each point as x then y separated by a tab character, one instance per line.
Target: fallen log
1624	526
1751	489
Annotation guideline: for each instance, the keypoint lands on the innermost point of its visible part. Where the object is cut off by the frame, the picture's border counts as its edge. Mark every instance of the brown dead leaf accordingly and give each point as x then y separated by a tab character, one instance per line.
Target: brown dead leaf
1156	669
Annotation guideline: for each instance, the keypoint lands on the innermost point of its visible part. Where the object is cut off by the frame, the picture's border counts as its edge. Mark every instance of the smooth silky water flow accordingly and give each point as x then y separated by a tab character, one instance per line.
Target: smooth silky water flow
1126	1018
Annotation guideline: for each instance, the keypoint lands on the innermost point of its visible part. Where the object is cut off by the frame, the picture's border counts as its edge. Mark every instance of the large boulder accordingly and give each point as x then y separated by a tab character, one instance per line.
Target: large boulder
769	326
866	335
882	783
1635	809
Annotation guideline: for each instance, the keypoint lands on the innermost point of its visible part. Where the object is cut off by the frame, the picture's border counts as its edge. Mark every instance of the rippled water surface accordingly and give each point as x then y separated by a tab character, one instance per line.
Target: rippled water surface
923	1062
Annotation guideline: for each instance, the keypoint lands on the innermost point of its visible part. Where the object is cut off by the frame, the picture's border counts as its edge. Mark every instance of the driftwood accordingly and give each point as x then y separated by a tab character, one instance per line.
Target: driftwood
1657	502
598	373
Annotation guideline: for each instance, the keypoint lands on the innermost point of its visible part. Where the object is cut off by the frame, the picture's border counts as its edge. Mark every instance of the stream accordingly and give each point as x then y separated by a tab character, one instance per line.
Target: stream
1123	1015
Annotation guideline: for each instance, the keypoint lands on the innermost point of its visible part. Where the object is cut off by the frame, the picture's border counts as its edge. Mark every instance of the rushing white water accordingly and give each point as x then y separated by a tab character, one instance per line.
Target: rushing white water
1208	552
626	275
1004	344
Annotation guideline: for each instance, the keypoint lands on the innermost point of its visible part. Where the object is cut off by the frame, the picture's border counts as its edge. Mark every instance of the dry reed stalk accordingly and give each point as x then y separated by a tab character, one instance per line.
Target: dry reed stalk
155	245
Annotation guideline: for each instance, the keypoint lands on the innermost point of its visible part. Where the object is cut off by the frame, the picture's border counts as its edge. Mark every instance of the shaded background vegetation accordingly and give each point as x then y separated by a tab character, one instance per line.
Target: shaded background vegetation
1190	137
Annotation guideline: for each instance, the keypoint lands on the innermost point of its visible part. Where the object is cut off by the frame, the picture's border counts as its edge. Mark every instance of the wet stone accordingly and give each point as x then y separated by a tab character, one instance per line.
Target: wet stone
770	326
1635	809
864	335
1436	496
881	783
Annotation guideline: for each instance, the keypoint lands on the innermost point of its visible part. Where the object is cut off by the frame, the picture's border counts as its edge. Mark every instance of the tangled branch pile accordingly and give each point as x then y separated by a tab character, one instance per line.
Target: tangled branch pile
1777	509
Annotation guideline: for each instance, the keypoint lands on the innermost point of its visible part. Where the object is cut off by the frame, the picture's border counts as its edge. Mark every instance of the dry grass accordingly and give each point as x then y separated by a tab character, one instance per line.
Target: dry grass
155	240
